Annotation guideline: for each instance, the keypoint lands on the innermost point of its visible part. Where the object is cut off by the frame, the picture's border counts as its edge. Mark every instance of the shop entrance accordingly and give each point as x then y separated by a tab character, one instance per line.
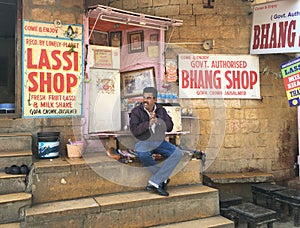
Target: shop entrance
8	18
132	46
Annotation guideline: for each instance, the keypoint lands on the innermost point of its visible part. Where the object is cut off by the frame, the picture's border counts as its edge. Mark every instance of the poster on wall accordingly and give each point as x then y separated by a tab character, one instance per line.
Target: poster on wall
218	76
290	72
276	27
171	70
52	74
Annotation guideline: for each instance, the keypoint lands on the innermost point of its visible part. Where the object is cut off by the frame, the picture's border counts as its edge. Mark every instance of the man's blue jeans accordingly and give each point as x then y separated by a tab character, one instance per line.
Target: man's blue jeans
145	149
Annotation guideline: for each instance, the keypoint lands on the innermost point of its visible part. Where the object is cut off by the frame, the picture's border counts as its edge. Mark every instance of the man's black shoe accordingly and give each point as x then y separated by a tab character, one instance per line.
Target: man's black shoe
164	184
159	190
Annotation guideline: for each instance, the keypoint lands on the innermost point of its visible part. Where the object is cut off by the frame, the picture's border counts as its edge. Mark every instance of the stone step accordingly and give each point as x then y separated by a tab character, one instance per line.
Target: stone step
12	206
97	174
19	158
237	183
12	183
10	225
211	222
93	144
118	210
15	142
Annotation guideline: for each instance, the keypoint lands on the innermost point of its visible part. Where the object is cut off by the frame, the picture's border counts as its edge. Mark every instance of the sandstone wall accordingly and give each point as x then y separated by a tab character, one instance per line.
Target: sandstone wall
237	135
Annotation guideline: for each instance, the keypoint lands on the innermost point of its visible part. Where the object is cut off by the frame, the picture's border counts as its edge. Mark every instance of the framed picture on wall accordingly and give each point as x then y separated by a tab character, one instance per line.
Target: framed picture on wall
133	82
99	38
153	38
135	41
115	39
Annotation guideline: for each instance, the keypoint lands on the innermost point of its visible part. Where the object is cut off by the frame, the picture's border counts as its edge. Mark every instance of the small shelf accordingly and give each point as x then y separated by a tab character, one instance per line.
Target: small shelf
188	117
128	133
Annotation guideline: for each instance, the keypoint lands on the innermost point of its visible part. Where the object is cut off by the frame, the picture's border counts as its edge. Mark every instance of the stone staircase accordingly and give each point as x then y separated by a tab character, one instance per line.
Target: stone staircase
97	191
15	149
132	209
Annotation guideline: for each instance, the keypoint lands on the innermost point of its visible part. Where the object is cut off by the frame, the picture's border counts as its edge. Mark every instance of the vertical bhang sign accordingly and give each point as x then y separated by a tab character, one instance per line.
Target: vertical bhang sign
52	70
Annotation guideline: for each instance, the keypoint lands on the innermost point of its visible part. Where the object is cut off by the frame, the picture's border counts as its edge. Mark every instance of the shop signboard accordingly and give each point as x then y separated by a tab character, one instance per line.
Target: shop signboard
290	72
218	76
52	70
276	27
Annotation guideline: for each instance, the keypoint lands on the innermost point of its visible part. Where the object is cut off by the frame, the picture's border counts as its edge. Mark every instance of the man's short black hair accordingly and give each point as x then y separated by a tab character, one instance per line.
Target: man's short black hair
150	90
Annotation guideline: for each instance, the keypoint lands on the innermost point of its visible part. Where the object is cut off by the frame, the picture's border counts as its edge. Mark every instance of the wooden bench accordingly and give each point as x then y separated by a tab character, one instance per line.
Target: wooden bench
253	214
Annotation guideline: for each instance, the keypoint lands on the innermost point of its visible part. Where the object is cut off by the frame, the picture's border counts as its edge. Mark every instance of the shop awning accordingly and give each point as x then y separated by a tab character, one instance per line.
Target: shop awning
128	18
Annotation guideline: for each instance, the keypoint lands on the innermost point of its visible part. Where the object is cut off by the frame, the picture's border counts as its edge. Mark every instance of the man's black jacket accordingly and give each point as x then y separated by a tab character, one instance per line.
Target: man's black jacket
139	123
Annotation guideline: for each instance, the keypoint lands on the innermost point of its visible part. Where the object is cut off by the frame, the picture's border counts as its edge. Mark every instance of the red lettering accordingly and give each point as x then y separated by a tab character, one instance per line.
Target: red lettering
44	61
75	61
264	37
68	60
244	79
58	82
54	56
201	79
240	79
291	35
31	78
253	78
55	61
30	65
273	42
256	34
71	82
282	33
193	79
185	79
45	82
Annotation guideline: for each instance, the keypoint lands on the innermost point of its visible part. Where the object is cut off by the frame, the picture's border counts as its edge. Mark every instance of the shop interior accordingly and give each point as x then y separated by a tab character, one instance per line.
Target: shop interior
125	53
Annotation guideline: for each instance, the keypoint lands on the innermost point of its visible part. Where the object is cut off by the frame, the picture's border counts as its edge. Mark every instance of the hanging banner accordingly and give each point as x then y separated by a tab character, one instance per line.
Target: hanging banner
218	76
290	72
276	27
52	69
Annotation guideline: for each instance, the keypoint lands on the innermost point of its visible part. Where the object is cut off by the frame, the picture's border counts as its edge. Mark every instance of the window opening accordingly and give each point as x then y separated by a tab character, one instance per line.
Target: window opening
8	15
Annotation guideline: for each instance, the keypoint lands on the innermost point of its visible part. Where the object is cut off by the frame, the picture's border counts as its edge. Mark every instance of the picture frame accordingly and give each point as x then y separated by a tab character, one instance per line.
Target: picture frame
153	38
115	39
135	41
133	82
99	38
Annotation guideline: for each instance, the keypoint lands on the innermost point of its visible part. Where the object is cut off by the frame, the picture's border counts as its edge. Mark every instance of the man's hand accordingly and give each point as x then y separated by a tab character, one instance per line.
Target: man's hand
153	119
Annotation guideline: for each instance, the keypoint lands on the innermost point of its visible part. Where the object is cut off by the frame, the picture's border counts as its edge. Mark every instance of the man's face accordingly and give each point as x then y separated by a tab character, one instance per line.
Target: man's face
149	101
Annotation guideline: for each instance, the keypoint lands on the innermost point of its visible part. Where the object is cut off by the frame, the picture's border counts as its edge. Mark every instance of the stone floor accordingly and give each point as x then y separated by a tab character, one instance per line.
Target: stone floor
288	224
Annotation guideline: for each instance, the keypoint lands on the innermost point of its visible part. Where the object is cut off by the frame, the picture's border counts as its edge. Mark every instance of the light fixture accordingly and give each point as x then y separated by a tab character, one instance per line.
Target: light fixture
208	44
57	23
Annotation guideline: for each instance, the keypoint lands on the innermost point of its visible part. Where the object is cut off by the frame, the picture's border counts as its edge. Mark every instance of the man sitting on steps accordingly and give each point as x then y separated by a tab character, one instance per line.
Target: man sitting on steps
149	123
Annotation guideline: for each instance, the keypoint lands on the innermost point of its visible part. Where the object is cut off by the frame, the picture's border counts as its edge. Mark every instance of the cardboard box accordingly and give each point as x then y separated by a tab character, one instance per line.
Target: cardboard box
75	150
